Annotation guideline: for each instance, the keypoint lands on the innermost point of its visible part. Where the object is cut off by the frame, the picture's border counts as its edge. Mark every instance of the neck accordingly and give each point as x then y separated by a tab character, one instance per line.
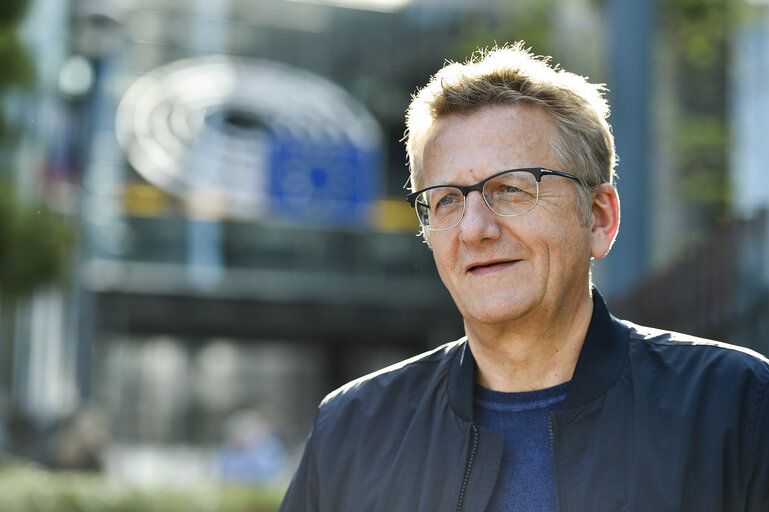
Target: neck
524	355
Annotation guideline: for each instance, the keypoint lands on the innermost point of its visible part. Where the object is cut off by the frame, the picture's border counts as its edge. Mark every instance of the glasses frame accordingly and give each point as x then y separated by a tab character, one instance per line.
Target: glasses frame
537	172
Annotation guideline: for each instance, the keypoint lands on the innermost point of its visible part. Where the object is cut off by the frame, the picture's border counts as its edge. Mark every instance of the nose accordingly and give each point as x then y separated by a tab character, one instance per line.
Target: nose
479	222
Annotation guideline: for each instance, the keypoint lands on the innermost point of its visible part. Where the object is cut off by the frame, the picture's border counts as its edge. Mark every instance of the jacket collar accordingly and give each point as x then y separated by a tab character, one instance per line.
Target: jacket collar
598	367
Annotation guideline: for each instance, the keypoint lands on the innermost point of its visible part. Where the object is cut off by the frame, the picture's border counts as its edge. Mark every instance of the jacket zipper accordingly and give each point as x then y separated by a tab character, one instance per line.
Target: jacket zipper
469	466
552	449
552	435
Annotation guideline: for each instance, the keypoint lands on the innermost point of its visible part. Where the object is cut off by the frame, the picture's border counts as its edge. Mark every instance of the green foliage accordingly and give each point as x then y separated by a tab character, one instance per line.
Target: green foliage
703	145
17	68
12	11
25	488
698	34
34	245
700	28
527	21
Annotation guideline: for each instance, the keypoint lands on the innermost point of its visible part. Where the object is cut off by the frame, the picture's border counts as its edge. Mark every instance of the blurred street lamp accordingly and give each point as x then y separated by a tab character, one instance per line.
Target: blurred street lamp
76	78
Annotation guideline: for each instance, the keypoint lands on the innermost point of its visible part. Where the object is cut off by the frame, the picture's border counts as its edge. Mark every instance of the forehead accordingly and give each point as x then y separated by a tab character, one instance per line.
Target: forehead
465	148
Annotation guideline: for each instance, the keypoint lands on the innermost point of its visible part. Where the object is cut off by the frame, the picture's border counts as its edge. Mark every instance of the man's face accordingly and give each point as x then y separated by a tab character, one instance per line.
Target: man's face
502	269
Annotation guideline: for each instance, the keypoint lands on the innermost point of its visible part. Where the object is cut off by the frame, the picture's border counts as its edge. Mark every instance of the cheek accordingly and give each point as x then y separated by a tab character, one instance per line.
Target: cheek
573	252
564	245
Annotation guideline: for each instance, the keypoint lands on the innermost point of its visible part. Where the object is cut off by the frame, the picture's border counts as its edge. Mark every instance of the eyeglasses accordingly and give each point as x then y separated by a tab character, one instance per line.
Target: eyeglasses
507	193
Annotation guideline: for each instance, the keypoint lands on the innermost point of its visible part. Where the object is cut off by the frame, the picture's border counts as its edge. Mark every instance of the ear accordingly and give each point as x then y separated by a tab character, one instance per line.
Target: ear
604	220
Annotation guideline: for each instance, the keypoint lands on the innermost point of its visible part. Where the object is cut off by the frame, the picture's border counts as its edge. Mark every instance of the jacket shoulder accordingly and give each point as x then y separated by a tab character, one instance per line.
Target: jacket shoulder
369	445
725	380
722	388
681	347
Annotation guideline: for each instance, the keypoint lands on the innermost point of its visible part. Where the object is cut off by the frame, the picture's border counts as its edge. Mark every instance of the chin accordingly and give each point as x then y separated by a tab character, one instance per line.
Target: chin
503	301
497	313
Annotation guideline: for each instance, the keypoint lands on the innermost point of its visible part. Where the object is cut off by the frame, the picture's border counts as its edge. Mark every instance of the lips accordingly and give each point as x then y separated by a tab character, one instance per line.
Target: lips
489	266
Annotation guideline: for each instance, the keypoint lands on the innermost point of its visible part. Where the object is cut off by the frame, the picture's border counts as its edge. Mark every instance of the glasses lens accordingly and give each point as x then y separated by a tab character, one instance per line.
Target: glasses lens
440	208
512	193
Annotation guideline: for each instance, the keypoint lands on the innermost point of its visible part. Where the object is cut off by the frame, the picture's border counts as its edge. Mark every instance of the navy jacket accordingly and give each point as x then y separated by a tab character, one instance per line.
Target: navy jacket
653	421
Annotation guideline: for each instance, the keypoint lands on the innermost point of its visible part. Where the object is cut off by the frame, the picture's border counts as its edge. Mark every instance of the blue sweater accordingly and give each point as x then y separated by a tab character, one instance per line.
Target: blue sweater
525	482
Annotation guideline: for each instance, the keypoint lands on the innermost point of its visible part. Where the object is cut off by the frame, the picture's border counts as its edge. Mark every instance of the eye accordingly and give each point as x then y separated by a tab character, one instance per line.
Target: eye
504	190
516	186
510	189
445	198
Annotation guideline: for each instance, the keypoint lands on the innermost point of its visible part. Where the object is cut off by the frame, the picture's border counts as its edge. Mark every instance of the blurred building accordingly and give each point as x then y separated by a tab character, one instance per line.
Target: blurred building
236	172
242	248
244	244
702	277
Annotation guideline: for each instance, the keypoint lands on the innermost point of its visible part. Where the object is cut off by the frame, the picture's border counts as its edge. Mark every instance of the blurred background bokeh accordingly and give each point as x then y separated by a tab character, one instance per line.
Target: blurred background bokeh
202	224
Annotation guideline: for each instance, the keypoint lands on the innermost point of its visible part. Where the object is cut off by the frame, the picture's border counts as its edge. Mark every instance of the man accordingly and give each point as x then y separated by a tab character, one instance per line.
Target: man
549	403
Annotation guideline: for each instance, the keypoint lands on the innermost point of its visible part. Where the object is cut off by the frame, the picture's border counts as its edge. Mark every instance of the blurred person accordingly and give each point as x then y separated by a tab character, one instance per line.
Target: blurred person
80	442
549	402
252	454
